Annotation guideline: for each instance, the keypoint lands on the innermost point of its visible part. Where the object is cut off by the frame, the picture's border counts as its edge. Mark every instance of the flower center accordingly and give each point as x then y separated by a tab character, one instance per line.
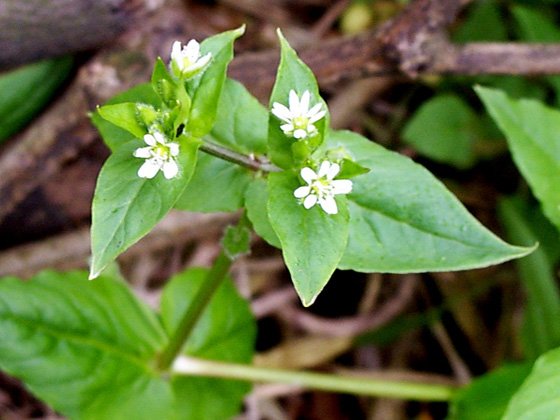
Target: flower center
161	151
322	188
300	122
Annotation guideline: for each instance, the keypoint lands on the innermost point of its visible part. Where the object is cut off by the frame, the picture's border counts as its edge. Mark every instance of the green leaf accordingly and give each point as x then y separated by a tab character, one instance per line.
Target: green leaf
484	22
533	134
444	129
163	84
124	115
404	220
312	241
126	207
292	74
208	87
256	199
113	135
539	396
541	329
487	397
216	185
241	122
226	332
83	347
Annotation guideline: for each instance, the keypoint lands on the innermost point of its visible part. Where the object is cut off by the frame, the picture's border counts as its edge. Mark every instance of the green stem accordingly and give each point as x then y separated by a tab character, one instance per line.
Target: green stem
336	383
238	158
213	280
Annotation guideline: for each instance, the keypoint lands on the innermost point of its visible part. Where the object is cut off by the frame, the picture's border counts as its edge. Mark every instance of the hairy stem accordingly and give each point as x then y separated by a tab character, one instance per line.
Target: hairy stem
213	280
335	383
238	158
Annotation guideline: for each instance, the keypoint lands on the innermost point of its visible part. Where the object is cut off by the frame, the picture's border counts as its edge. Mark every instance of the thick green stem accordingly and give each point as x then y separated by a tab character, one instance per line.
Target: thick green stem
213	280
335	383
238	158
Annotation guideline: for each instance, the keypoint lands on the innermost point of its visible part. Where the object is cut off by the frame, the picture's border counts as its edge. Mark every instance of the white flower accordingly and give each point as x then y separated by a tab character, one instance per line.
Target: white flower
322	187
299	119
186	61
160	156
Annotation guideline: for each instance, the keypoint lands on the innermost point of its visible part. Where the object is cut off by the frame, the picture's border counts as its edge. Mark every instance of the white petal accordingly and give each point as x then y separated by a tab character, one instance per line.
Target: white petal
294	102
149	139
170	169
333	171
310	201
329	205
304	103
176	53
192	50
302	192
342	186
281	111
308	175
202	61
149	169
143	152
317	116
160	138
287	128
173	148
324	169
300	133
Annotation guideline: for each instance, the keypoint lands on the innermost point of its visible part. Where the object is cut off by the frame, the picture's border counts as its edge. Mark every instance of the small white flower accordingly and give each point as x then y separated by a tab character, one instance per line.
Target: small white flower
322	187
160	156
186	61
299	119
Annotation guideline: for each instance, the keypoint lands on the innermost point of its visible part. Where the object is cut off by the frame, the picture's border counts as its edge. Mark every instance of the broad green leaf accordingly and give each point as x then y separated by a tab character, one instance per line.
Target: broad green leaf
312	241
113	135
533	134
126	207
444	129
83	347
226	332
216	185
236	241
208	87
539	396
256	199
487	397
241	121
292	74
402	219
124	115
538	25
541	329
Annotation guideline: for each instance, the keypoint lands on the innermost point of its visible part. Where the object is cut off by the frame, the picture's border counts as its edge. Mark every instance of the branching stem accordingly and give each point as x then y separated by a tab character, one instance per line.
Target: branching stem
238	158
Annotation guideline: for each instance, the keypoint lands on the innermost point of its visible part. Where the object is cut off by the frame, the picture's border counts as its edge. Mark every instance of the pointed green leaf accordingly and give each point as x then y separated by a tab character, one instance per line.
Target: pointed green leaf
487	397
112	134
241	122
208	87
226	332
539	396
541	329
126	207
83	347
256	199
292	74
312	241
124	115
533	133
163	84
402	219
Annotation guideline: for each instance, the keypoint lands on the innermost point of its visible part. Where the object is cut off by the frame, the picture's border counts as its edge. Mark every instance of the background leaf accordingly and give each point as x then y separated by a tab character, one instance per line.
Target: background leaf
402	219
312	241
539	396
126	207
292	74
444	129
226	332
487	397
84	347
533	134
